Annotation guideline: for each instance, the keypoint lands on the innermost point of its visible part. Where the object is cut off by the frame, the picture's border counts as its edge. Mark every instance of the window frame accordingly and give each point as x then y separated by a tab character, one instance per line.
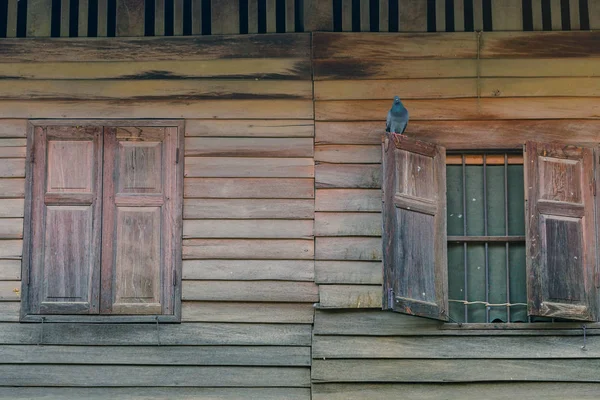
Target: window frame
177	244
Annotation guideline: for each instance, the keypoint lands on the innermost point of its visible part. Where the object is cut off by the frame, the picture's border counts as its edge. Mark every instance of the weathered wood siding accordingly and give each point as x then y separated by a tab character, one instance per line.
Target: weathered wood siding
463	91
248	249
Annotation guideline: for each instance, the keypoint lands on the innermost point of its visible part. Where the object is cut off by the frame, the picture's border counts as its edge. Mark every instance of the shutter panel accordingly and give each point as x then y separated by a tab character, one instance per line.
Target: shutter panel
66	220
414	230
139	193
561	253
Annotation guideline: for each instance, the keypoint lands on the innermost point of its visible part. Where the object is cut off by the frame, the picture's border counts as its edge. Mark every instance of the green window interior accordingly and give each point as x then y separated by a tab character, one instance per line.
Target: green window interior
486	243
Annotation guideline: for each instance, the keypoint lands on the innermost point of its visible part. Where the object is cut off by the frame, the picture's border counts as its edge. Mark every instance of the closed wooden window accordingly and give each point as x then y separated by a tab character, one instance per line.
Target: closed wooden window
103	224
560	232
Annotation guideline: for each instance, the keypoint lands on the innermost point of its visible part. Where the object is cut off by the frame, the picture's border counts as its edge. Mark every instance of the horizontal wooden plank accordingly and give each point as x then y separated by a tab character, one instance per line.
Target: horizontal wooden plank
188	334
348	200
249	128
246	188
10	270
11	228
139	90
10	290
155	393
530	87
245	208
466	134
12	167
347	176
13	128
9	311
102	375
249	270
279	249
271	313
348	248
430	391
401	347
386	46
157	355
371	323
348	224
237	68
540	67
224	109
540	44
248	147
351	154
461	109
12	152
350	296
353	272
248	167
156	48
582	370
261	291
248	228
11	249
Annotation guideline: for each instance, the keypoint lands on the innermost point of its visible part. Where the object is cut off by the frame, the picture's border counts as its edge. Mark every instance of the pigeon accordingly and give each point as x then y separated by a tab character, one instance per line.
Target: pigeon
397	117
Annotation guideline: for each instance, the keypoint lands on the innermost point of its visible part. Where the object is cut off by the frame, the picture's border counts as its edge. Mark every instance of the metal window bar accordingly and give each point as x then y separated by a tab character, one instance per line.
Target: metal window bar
486	239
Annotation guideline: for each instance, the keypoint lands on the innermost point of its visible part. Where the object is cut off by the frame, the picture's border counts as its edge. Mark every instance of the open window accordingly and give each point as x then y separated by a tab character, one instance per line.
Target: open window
559	230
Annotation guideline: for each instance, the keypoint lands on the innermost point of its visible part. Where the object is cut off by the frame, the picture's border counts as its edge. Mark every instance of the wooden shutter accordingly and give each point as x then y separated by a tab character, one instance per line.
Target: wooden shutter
414	227
138	261
66	220
561	253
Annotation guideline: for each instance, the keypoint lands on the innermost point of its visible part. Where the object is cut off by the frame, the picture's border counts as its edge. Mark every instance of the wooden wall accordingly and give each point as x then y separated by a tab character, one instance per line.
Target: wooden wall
91	18
248	249
464	91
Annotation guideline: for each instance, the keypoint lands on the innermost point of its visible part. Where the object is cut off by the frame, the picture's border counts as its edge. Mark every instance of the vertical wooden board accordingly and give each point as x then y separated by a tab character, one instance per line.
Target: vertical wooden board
347	15
178	17
225	17
594	13
318	15
574	14
102	17
384	15
290	16
65	15
252	16
196	17
536	13
11	19
159	17
459	15
82	27
477	15
271	16
555	11
440	15
507	15
130	17
365	18
412	16
39	14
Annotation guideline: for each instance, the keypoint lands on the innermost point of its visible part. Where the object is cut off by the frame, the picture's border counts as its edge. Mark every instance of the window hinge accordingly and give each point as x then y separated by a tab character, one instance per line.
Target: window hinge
177	156
390	294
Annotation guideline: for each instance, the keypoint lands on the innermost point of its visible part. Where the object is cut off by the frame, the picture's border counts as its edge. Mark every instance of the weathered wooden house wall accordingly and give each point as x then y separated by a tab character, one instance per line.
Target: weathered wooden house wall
282	199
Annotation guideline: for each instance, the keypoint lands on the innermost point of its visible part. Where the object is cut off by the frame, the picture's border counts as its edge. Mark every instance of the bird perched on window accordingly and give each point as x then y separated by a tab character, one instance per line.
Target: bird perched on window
397	118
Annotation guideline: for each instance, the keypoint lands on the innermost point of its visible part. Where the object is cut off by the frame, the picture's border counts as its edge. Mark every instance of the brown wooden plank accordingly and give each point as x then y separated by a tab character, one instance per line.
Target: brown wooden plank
271	16
507	15
348	248
440	15
348	272
39	13
347	224
159	17
242	188
12	167
12	148
12	188
10	290
247	147
235	208
11	228
507	87
242	270
11	20
249	167
279	249
225	17
250	229
250	128
277	313
318	15
10	270
540	44
157	48
130	18
263	291
82	27
348	200
243	109
103	18
555	67
347	176
350	296
348	154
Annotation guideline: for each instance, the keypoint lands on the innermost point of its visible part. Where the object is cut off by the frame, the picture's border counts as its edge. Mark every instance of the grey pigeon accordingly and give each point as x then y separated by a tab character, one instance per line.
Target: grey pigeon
397	117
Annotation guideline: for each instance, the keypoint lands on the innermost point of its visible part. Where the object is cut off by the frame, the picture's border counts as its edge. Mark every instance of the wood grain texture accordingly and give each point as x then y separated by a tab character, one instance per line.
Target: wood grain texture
9	311
270	313
347	176
242	208
10	290
254	188
412	16
350	296
284	270
348	248
13	128
12	148
248	167
247	291
351	154
367	200
247	147
540	44
39	13
12	167
250	128
11	249
225	17
318	15
348	272
11	228
280	249
12	188
130	18
348	224
250	229
10	270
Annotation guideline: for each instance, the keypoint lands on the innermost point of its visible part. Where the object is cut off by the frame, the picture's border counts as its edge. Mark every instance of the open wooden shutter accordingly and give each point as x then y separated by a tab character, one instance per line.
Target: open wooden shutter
66	225
561	241
414	227
139	228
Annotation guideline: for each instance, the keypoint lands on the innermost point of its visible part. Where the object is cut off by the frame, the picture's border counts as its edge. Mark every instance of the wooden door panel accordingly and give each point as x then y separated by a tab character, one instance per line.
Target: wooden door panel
70	166
139	167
